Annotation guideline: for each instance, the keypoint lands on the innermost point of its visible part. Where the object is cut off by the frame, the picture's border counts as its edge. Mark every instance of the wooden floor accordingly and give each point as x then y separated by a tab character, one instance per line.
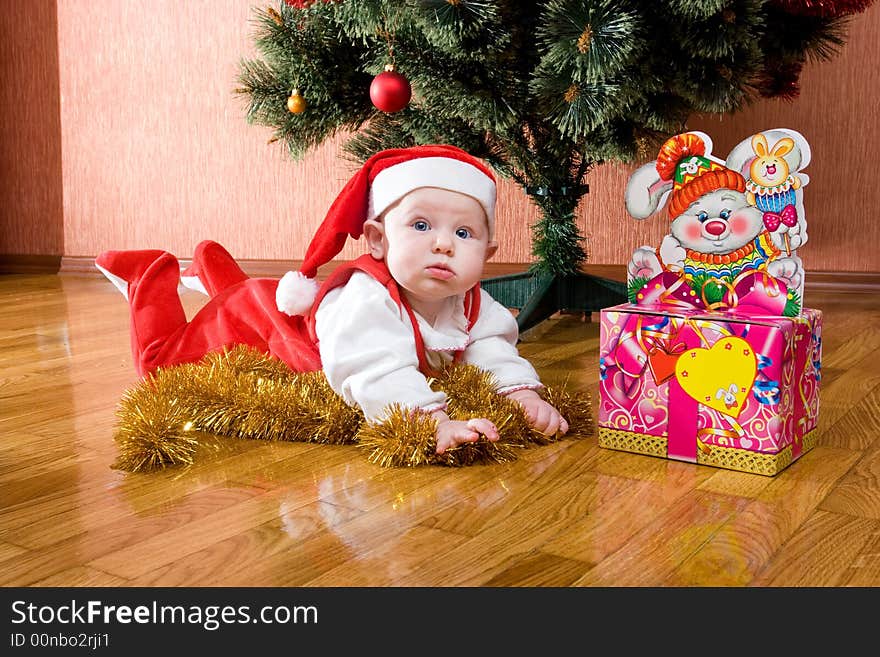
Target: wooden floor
283	514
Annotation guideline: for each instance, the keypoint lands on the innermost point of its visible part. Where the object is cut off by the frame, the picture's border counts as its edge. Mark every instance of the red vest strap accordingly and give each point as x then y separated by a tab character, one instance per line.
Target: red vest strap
379	270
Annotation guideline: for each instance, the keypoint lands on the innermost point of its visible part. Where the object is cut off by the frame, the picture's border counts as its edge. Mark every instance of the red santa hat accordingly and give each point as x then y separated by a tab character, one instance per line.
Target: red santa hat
383	180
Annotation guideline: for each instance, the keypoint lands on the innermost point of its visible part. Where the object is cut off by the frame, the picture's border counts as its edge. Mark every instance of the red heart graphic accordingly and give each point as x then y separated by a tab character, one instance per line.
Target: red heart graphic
662	364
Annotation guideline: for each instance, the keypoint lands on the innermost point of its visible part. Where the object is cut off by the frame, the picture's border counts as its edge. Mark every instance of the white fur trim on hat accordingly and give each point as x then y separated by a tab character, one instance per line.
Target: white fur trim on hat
295	293
396	181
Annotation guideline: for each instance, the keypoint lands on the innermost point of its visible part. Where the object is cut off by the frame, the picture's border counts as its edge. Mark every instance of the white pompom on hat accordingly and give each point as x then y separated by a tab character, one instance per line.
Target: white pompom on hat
383	180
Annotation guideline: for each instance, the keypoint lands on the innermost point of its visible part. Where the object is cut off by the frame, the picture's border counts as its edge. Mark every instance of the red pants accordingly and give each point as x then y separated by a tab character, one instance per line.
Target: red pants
240	310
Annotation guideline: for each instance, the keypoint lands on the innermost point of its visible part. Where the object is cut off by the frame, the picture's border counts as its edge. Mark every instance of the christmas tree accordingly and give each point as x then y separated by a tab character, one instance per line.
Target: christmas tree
544	91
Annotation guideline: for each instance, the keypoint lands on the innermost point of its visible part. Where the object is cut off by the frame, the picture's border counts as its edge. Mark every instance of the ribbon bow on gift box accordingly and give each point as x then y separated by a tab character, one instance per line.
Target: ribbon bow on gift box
754	291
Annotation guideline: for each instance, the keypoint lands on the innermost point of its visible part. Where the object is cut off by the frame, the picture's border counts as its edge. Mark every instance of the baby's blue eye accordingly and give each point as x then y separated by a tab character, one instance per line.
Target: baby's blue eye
462	233
702	216
724	214
421	226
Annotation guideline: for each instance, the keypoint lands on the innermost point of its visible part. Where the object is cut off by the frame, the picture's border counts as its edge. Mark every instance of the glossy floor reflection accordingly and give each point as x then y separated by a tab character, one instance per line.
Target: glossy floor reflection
270	514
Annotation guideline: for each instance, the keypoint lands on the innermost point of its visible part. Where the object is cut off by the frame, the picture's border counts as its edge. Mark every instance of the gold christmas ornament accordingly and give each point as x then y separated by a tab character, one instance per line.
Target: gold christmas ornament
168	418
296	104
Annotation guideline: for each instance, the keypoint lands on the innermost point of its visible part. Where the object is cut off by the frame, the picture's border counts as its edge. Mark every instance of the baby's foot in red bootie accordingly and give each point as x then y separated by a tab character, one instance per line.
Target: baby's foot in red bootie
212	270
124	268
191	281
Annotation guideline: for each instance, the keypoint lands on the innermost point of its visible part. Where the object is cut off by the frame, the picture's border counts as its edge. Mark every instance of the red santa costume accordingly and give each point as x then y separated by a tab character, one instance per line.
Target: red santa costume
357	326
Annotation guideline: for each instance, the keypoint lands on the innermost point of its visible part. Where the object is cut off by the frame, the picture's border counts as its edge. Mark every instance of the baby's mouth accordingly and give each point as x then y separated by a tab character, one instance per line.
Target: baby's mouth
439	271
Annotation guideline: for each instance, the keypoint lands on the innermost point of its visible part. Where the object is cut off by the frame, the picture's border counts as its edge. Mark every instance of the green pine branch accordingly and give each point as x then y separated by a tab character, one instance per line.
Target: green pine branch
543	90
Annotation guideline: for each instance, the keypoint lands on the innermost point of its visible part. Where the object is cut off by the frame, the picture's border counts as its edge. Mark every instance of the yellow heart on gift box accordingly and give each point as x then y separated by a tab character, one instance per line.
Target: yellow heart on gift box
720	377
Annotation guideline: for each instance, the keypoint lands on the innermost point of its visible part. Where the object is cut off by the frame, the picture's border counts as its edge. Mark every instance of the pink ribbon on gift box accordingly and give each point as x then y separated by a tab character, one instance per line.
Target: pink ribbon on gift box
681	441
752	292
642	334
670	291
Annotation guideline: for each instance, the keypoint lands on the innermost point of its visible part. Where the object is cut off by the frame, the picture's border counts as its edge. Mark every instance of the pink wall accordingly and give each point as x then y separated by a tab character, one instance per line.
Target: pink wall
30	138
157	152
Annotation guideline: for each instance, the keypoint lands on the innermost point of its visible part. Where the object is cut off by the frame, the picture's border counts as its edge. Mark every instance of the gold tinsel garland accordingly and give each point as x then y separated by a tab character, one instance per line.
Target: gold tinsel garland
170	415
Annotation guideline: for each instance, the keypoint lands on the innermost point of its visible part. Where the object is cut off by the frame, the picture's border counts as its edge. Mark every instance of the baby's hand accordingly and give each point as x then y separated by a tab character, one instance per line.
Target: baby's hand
542	416
451	433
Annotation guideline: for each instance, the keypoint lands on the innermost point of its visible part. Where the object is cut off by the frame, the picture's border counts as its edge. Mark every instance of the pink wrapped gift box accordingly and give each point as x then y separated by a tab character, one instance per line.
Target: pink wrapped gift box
737	388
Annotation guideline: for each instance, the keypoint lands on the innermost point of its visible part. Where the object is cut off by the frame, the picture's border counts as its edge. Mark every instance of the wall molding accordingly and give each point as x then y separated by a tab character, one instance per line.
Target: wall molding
11	263
277	268
826	281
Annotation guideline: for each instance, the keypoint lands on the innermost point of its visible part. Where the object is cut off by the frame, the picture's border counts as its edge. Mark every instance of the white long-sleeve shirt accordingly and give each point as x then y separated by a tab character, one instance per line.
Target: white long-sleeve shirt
368	351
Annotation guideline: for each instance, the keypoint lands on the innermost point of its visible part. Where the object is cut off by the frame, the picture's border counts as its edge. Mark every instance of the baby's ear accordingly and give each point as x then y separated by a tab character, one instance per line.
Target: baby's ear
374	233
491	248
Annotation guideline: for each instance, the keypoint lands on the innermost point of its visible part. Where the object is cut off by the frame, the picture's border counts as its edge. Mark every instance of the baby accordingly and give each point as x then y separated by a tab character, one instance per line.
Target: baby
380	325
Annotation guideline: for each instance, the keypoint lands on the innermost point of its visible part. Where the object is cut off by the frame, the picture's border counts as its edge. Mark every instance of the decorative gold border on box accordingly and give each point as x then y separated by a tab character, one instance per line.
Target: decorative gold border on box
810	440
733	458
729	458
630	441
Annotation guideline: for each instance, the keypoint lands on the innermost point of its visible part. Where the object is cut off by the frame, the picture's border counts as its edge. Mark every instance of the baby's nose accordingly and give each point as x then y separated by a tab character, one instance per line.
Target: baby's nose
715	227
442	244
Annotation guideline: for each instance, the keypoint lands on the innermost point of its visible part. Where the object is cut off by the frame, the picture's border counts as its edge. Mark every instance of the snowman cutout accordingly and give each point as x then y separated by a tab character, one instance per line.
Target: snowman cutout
724	223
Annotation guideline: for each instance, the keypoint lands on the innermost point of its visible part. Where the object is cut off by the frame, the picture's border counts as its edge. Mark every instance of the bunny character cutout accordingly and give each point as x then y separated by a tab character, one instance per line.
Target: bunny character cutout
772	186
728	223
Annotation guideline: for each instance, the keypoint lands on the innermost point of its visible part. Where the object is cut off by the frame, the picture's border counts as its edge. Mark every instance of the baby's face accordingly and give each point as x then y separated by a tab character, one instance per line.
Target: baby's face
436	243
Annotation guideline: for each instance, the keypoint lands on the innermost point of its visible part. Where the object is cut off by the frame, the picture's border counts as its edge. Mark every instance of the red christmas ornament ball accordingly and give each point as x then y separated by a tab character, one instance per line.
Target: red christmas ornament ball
390	91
